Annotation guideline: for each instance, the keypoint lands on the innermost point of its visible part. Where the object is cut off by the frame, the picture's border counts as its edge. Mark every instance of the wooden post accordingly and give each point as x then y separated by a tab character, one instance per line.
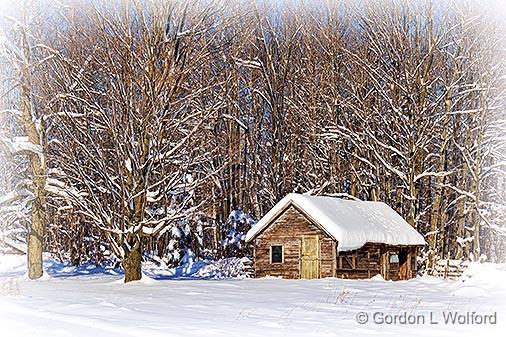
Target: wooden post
334	258
410	267
384	265
254	259
368	264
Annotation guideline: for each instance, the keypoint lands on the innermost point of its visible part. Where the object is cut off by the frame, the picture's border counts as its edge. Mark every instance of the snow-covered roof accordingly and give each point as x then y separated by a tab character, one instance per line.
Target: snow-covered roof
352	223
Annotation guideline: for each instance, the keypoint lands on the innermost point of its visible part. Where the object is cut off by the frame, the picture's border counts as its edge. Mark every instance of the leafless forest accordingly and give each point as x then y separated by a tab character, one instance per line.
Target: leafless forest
132	129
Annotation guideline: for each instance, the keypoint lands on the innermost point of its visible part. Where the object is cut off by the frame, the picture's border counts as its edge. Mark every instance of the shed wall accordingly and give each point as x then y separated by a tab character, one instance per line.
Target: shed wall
373	259
287	230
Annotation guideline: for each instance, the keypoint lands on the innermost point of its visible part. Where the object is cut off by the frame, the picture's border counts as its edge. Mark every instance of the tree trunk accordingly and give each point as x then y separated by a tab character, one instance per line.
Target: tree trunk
132	265
437	218
38	163
36	231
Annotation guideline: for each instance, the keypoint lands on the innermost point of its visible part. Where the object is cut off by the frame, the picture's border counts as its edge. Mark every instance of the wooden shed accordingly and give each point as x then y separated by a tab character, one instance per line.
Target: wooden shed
313	237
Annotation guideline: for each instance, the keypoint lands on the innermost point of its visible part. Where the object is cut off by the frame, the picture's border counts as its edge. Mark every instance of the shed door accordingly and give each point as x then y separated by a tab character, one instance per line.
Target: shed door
309	267
404	264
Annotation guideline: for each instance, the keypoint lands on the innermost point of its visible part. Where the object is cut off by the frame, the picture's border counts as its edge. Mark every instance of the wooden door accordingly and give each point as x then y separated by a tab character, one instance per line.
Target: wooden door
404	265
310	253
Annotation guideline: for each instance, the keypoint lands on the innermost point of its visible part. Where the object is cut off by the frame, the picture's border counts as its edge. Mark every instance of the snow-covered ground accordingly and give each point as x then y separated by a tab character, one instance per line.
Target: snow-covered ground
94	302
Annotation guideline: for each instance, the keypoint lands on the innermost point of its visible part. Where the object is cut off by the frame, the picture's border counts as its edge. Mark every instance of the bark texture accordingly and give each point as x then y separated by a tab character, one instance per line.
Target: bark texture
38	163
132	266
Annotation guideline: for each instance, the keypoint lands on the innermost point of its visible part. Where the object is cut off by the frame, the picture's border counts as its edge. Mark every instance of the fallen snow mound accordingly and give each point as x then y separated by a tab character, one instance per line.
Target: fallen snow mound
480	278
226	268
485	272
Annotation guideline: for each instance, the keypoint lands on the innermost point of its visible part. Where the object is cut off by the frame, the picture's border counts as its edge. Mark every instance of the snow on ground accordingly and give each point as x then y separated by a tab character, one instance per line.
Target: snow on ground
90	301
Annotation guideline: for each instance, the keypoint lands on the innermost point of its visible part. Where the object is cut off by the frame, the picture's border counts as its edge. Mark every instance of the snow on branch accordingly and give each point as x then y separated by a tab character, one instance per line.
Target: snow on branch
21	145
433	174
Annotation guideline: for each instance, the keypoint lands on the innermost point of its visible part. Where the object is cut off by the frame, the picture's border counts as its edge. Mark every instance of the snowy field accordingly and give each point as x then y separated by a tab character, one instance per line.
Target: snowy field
93	302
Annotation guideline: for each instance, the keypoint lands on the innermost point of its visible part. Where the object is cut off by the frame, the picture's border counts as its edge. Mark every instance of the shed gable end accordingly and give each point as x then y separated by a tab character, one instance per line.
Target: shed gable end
287	230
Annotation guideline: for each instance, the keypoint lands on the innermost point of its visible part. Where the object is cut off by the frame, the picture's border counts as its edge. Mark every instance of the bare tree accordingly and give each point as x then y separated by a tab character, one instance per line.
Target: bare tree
20	56
131	113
